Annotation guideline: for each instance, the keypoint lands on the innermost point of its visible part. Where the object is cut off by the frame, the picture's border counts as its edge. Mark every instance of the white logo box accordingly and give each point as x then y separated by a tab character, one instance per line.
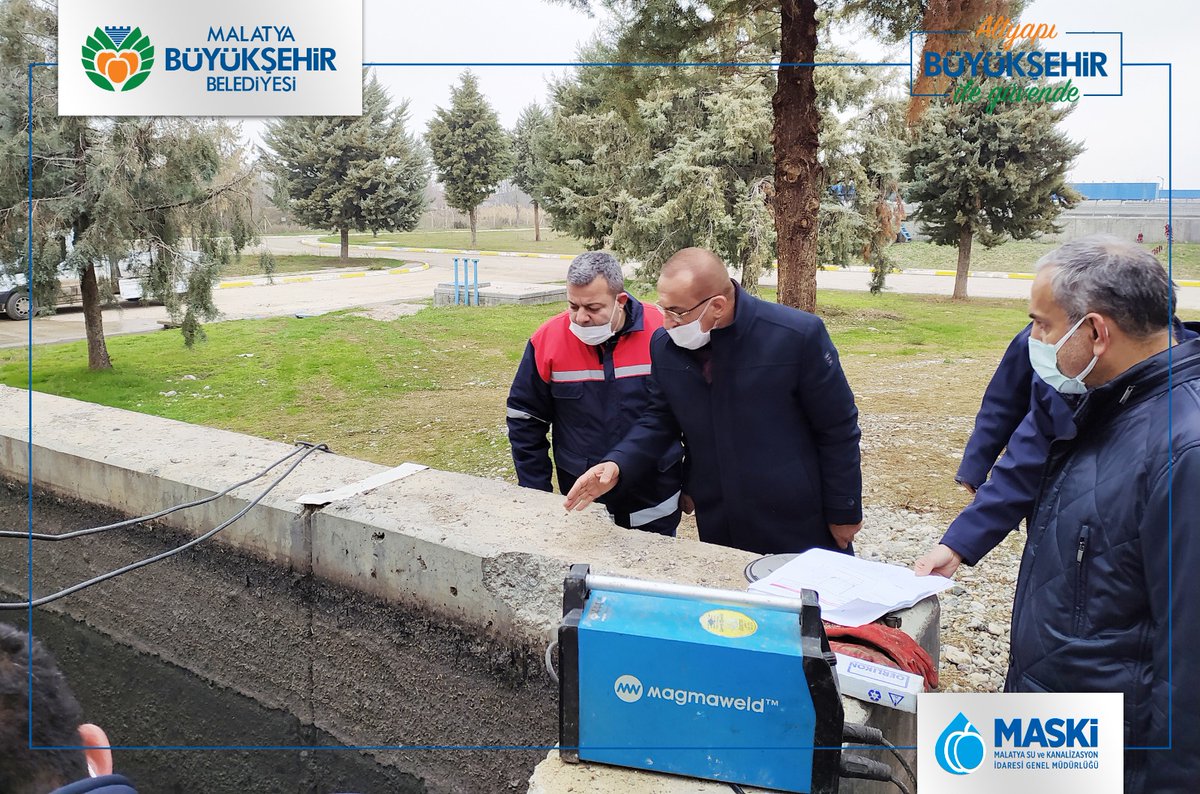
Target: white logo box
1034	743
217	58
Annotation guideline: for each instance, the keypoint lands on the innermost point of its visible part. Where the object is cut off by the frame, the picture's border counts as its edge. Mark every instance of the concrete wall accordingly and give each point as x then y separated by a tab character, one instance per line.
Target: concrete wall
480	553
477	564
1186	228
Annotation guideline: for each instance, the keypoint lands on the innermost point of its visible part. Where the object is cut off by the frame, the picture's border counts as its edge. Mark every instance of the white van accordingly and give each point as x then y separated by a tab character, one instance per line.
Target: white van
17	303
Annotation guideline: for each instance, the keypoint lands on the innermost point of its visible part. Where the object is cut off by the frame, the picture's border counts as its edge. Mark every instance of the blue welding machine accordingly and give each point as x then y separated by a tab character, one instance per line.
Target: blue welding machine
715	684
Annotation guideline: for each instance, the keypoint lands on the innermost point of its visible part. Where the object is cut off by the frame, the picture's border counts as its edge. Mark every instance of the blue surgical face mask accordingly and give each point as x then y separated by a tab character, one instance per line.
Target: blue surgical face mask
1044	358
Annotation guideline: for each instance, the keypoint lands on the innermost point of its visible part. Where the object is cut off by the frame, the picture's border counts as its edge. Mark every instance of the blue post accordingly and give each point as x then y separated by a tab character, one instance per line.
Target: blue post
476	280
456	280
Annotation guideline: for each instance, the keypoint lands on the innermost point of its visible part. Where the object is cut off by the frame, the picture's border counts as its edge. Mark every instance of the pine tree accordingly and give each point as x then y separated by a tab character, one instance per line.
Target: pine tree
994	176
684	158
103	188
362	173
787	30
471	151
529	172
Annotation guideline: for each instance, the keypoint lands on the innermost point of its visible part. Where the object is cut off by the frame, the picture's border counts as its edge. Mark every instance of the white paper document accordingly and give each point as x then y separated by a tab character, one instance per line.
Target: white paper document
852	591
362	486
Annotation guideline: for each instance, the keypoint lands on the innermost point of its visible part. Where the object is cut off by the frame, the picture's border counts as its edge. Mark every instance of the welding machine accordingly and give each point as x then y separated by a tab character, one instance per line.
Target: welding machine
717	684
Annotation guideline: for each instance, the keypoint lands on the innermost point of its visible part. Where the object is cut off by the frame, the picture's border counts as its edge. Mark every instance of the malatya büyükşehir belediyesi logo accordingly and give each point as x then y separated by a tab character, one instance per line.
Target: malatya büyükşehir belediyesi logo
118	59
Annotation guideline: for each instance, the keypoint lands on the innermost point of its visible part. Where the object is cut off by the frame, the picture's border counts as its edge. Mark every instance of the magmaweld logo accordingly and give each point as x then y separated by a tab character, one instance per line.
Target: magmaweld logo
117	59
628	688
959	750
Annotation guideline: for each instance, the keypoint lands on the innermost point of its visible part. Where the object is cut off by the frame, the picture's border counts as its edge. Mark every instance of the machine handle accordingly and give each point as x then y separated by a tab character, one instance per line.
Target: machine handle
667	590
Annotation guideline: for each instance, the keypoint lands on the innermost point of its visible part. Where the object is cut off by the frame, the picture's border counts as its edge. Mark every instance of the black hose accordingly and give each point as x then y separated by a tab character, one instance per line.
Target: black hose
899	757
164	555
79	533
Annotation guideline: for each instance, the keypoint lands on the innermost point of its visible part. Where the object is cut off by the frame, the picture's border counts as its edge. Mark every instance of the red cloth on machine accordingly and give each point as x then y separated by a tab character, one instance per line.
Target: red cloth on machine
881	644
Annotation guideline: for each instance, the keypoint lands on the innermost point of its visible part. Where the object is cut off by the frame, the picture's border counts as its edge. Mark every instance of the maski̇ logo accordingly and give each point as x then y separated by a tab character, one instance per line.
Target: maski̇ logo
959	750
116	58
628	688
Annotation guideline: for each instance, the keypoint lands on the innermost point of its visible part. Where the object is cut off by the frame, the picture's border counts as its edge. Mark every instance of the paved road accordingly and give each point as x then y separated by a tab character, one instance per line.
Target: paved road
380	287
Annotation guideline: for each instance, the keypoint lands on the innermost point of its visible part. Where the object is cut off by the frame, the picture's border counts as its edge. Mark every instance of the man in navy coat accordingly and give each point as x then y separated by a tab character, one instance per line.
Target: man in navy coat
1106	598
1021	415
769	422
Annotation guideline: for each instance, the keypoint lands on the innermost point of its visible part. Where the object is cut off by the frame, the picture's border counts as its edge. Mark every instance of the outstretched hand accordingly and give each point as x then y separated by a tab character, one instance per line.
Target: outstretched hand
941	560
594	483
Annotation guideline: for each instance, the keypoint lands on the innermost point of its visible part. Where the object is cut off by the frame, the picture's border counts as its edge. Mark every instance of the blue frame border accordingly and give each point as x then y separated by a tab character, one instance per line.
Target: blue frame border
29	265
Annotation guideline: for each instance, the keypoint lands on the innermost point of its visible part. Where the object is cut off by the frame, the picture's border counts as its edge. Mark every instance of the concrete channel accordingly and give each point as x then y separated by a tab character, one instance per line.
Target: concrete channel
416	614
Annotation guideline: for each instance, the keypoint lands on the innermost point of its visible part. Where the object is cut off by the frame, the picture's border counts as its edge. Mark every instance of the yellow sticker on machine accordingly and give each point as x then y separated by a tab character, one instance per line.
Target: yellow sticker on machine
728	623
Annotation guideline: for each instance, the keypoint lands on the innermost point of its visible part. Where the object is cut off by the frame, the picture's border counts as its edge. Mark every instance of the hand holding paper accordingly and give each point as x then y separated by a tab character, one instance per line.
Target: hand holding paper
852	591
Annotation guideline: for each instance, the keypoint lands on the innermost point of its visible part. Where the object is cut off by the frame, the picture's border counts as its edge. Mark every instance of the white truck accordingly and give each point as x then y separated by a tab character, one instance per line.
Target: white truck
17	303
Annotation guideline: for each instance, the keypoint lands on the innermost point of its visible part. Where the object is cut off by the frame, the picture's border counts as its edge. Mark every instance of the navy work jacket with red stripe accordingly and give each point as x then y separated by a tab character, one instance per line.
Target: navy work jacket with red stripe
591	395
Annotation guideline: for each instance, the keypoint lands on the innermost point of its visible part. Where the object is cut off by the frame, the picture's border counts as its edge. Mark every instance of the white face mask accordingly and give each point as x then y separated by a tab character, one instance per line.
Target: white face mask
689	336
1044	358
595	334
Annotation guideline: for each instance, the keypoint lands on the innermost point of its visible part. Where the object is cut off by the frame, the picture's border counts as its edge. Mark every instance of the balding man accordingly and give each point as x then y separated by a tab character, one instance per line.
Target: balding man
768	419
1105	598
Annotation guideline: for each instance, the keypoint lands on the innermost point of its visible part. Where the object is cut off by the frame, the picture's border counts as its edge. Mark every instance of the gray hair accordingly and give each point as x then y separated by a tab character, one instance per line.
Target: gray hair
1113	277
587	266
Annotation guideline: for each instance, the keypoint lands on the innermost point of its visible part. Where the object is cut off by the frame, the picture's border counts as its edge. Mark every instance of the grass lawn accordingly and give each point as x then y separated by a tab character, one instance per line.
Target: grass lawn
248	264
431	387
1019	256
1015	256
489	240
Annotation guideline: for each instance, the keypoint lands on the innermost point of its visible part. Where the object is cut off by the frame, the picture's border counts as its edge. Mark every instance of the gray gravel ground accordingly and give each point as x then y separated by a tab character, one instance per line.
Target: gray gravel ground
975	612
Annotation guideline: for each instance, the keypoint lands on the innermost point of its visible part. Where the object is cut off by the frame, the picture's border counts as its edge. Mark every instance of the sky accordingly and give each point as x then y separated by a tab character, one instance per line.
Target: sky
1125	136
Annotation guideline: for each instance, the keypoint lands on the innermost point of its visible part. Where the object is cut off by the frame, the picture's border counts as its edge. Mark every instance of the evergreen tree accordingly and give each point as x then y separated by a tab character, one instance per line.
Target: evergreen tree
586	150
661	30
364	173
687	160
529	172
103	188
863	140
994	176
471	151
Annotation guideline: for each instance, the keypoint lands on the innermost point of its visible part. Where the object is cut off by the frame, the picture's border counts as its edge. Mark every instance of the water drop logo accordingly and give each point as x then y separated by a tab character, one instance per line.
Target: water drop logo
959	750
628	688
116	58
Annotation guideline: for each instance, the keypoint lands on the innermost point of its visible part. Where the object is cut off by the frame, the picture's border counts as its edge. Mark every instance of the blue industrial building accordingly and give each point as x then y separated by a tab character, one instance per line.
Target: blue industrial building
1130	191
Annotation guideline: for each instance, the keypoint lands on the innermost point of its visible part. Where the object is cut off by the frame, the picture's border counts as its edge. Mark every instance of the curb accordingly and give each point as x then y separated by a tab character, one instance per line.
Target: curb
407	249
303	279
971	274
826	268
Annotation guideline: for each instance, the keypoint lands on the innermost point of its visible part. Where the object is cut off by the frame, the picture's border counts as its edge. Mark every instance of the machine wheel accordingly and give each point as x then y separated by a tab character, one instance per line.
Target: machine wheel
19	305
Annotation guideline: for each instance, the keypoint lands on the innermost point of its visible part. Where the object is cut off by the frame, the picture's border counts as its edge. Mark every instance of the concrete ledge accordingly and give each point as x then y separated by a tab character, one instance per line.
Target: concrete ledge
499	293
485	554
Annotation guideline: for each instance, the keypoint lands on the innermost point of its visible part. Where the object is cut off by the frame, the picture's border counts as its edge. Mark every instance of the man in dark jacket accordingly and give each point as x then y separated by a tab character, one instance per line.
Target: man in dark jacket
56	723
585	376
1002	502
767	416
1103	602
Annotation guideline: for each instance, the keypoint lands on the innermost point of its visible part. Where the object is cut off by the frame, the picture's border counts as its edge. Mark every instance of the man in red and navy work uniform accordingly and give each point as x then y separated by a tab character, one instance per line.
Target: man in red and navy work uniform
584	377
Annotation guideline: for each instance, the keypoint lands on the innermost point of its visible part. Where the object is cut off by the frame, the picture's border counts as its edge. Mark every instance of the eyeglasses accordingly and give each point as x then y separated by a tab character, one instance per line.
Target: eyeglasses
678	316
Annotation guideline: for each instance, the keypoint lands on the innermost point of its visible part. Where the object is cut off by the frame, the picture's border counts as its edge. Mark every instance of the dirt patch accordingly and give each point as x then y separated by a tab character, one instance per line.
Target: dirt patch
389	311
322	657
